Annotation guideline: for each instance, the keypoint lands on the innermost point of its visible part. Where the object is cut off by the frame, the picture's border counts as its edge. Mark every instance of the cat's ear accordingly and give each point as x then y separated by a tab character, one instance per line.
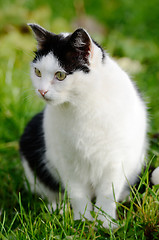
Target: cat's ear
81	40
41	34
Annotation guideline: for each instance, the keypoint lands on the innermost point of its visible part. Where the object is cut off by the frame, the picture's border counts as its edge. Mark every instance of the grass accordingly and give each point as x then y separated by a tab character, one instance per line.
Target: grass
129	31
31	219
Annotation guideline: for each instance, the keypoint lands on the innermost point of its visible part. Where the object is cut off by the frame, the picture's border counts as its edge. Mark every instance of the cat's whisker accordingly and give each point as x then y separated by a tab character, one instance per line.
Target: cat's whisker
30	93
29	90
27	99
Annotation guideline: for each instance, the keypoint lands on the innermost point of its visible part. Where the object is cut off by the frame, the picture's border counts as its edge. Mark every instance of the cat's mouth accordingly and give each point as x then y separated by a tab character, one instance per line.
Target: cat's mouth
47	99
43	95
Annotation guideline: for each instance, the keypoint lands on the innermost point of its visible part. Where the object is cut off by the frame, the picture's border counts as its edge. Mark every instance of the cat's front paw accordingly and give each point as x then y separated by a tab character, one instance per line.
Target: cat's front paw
87	215
107	222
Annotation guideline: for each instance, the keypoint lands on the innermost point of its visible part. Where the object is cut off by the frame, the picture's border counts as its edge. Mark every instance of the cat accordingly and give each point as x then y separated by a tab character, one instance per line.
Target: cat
91	138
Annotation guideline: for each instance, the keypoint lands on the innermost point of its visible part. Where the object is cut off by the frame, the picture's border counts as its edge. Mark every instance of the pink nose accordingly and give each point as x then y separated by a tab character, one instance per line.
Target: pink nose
42	92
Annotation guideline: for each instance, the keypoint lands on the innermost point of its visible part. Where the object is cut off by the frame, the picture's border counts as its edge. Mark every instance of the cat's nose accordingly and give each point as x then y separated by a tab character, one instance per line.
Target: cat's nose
42	92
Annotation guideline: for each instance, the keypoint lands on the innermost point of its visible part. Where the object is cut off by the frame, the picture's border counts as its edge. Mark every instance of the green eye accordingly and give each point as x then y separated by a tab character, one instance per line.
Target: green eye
37	72
60	76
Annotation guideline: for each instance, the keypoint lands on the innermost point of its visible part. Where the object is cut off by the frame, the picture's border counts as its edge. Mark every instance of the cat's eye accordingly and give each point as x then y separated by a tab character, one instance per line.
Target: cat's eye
60	76
37	72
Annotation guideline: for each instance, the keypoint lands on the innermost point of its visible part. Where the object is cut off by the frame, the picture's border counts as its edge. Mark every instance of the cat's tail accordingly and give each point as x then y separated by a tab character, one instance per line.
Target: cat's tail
155	176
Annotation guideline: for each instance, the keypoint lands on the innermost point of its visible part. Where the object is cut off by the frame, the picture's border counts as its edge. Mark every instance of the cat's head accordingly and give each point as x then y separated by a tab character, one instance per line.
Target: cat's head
62	63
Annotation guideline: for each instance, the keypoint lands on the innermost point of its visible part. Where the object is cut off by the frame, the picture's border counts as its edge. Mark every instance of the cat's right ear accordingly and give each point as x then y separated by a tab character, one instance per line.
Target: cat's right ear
82	43
81	40
41	35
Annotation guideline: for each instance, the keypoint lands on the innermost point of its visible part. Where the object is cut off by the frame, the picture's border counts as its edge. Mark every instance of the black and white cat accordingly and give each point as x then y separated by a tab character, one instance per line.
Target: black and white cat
91	137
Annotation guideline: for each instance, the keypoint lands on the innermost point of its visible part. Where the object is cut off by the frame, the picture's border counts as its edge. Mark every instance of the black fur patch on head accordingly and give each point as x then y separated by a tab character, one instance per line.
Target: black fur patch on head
70	58
72	51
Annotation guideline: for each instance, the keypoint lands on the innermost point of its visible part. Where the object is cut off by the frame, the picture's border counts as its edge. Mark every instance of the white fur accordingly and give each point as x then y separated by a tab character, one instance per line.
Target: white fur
95	131
155	176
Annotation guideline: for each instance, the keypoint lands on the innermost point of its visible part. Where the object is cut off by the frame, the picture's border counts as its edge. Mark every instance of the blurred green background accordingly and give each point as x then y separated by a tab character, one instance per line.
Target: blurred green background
127	29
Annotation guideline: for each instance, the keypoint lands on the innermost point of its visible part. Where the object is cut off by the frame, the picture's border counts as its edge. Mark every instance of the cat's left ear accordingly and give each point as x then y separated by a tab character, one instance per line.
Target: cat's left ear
80	40
41	35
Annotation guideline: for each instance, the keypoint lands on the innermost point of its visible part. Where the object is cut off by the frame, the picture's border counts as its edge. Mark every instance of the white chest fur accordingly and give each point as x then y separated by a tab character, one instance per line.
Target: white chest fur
102	130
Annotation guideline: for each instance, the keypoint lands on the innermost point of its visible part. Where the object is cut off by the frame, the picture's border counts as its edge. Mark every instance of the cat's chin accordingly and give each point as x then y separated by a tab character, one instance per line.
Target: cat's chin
53	100
56	102
48	100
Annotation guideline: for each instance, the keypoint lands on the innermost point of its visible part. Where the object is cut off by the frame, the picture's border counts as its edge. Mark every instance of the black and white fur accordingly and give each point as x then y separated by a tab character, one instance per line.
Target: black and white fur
91	137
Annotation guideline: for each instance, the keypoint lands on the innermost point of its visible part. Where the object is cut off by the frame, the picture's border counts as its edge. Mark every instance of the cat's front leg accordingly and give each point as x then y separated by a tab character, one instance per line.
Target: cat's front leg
106	209
80	197
108	192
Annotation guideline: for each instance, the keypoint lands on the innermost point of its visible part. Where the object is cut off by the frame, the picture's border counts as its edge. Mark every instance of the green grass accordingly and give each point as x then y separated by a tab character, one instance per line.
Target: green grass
129	31
28	217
